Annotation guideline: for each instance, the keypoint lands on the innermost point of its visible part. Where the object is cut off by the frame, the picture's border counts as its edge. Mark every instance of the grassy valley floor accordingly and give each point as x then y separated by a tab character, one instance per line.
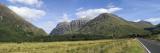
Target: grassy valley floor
96	46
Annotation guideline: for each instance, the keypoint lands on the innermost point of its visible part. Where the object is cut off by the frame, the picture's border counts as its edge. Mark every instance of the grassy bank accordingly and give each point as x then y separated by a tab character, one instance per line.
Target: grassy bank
155	37
97	46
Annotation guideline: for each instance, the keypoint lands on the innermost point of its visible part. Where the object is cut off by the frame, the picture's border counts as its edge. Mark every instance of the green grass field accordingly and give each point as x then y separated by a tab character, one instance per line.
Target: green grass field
96	46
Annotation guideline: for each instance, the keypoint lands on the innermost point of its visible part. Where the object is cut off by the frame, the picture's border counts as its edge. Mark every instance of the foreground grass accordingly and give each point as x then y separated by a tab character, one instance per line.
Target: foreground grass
97	46
155	37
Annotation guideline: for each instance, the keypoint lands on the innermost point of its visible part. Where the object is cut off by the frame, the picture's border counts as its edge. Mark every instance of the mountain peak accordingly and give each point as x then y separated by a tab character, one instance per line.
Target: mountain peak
67	27
109	24
108	14
62	24
142	21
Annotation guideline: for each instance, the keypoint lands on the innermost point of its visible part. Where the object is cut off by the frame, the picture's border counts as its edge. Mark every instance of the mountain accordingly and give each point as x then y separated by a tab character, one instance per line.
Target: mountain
111	25
61	28
155	29
69	27
143	24
77	24
14	28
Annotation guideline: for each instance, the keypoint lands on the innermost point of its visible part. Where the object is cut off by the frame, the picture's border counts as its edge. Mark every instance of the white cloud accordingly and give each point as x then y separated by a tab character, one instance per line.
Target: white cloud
152	20
28	13
137	20
47	26
28	2
91	13
79	9
65	18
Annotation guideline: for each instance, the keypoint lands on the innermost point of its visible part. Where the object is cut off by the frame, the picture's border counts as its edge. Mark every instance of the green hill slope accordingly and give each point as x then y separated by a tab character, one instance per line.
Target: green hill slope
111	25
14	28
143	24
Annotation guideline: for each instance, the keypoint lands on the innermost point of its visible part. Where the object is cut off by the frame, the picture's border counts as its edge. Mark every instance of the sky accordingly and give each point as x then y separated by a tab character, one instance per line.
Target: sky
46	14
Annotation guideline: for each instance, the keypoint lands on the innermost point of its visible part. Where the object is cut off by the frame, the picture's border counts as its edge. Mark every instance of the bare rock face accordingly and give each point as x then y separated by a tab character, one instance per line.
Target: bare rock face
69	27
77	24
61	28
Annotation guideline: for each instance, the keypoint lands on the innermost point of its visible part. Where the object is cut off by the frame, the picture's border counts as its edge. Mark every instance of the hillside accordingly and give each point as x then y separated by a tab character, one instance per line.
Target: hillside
61	28
111	25
143	24
15	28
69	27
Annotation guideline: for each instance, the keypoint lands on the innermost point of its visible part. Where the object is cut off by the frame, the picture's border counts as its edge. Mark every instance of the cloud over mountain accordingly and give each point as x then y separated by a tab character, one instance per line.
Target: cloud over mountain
28	13
37	3
91	13
47	26
152	20
65	17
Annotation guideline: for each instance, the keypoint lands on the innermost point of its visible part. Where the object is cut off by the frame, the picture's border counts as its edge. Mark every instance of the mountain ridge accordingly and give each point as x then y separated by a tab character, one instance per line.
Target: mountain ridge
69	28
113	23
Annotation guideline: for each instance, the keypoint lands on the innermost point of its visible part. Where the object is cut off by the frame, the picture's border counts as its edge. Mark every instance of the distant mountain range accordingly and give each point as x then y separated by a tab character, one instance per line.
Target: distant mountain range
143	24
104	24
155	29
13	27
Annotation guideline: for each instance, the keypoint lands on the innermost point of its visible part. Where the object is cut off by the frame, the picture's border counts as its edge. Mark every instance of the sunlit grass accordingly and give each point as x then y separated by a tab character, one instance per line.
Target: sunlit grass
155	37
97	46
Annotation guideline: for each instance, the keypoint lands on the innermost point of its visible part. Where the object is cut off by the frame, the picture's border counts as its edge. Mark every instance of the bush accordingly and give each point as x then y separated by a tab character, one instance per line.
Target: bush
69	37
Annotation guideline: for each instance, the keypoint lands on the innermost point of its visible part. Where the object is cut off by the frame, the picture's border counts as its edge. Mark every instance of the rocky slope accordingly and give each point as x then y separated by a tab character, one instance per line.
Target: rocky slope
69	27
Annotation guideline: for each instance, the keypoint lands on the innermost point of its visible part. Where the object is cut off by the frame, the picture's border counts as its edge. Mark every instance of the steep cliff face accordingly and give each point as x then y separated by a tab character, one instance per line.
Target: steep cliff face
14	27
69	27
61	28
77	24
